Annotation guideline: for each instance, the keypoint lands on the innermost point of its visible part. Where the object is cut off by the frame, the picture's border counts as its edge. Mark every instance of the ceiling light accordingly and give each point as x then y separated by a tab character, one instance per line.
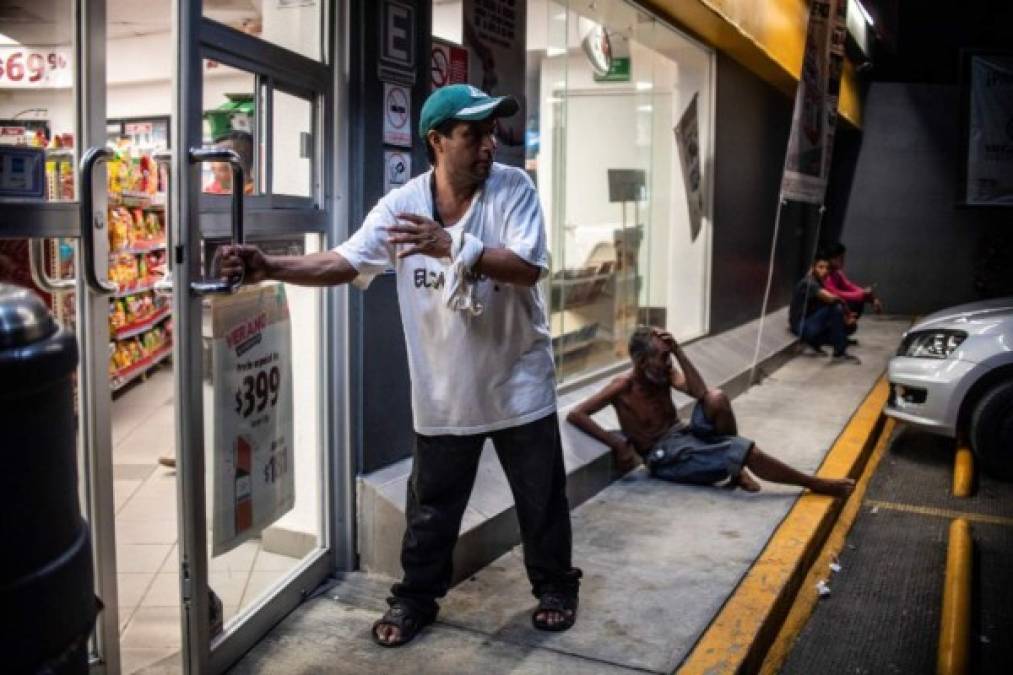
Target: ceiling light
865	13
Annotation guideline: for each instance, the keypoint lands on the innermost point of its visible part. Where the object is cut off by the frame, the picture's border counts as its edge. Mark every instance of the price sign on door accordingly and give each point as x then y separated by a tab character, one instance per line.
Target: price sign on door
35	67
254	481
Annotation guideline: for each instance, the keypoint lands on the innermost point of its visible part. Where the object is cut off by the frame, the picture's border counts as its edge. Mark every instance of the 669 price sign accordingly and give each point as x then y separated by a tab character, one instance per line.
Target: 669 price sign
35	67
253	417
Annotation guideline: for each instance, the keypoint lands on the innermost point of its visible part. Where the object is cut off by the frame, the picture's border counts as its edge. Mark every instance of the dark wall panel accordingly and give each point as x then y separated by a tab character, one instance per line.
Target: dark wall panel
751	134
380	396
902	226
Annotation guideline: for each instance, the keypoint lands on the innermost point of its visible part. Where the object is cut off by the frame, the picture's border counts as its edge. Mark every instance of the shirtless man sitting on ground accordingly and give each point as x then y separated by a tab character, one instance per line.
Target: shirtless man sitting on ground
705	452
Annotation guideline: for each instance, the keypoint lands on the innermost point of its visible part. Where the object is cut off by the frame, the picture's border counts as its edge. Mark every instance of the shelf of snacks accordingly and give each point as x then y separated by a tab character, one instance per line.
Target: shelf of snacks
145	285
59	169
139	319
132	358
134	315
134	228
134	176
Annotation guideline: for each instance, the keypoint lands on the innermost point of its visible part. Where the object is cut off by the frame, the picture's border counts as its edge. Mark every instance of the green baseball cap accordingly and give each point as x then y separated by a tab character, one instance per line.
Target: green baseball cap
463	102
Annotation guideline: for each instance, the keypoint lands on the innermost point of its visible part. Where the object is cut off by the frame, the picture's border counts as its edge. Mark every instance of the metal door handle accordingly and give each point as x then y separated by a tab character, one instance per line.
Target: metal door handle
199	156
37	267
88	218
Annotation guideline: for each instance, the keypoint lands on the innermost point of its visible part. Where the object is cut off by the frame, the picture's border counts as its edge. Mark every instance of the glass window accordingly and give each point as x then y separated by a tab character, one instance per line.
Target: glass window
292	143
607	85
295	25
231	120
265	504
37	108
606	89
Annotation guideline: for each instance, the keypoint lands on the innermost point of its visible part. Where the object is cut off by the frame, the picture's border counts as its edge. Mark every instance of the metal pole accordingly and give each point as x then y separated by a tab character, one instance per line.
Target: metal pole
781	202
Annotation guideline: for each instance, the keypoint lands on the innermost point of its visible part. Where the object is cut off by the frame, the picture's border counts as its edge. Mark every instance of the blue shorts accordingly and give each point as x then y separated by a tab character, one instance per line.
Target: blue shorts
697	455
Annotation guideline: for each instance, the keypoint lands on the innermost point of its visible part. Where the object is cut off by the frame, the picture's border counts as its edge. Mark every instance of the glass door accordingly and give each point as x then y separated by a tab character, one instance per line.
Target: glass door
53	235
253	364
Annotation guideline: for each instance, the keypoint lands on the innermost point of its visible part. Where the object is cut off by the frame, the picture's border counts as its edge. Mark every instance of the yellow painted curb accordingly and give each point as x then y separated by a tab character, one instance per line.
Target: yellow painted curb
747	625
808	596
963	472
955	621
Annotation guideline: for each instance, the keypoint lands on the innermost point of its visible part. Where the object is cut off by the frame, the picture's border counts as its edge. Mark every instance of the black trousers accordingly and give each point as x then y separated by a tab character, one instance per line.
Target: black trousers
443	474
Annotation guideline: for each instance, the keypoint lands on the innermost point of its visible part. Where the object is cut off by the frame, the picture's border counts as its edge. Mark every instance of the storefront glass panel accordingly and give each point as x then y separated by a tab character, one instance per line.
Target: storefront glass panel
607	84
293	145
295	25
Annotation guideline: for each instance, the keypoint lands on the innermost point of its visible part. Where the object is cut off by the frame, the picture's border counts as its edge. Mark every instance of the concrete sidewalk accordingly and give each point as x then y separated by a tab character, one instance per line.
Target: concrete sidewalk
659	560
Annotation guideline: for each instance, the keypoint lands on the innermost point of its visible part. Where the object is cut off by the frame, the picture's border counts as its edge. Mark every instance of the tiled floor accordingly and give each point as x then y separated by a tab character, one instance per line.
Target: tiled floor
146	534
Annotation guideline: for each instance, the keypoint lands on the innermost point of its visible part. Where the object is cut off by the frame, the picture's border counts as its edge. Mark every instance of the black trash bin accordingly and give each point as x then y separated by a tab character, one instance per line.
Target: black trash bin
47	594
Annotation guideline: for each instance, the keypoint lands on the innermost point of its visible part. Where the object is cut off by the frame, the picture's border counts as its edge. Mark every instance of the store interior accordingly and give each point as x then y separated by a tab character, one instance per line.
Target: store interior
138	90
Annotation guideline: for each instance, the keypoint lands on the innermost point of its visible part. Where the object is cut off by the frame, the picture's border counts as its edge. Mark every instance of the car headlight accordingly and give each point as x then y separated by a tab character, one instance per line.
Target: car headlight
931	344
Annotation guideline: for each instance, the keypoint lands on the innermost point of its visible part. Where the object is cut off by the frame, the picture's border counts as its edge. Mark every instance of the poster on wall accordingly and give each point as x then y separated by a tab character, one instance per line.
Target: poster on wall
687	138
990	132
254	474
495	35
814	120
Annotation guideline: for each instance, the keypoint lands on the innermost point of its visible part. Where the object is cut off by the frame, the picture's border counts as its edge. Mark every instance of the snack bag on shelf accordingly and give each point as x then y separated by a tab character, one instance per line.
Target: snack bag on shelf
113	174
52	179
119	230
117	315
122	357
153	225
136	352
149	175
135	308
66	180
123	170
142	268
155	262
138	232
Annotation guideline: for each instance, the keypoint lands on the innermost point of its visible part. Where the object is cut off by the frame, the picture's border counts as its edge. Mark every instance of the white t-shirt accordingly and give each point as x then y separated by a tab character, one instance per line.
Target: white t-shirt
469	374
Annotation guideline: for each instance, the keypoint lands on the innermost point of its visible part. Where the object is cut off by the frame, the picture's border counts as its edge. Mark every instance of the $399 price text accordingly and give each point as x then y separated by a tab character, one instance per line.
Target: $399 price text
257	391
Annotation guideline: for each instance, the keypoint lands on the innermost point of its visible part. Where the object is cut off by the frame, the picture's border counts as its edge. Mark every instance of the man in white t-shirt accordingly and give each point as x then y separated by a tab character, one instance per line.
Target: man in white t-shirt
467	241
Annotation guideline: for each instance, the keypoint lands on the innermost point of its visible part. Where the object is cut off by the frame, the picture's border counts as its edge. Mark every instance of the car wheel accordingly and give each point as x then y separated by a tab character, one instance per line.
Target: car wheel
992	431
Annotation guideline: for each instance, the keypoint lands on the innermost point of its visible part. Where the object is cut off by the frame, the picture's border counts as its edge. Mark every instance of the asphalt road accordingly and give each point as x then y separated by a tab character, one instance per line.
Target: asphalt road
882	615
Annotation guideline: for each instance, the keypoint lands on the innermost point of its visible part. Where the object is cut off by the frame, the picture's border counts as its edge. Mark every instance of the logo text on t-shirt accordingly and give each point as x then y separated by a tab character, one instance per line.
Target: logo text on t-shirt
429	279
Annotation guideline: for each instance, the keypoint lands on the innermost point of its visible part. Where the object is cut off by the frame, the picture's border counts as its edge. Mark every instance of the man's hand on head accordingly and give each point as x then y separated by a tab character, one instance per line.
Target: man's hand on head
666	338
421	235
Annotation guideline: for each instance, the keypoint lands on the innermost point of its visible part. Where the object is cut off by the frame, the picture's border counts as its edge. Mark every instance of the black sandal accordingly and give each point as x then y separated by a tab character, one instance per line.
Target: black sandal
408	621
566	605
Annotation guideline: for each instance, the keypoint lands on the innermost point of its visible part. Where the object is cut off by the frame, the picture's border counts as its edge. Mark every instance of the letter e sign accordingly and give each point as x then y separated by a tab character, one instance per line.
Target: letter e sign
397	41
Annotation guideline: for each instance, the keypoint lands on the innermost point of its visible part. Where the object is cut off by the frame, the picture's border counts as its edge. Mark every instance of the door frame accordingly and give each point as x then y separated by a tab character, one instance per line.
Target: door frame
193	216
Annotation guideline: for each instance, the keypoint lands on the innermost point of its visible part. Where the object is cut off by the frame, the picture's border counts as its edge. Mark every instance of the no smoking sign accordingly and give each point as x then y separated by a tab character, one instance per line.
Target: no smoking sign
397	110
448	65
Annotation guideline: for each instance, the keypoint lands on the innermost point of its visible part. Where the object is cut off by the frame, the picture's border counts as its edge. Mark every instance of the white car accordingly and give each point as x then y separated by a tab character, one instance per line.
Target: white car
953	375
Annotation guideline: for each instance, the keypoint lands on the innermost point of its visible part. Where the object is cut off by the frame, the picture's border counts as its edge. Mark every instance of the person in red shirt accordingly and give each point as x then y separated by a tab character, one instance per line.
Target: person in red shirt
851	293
